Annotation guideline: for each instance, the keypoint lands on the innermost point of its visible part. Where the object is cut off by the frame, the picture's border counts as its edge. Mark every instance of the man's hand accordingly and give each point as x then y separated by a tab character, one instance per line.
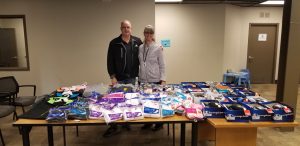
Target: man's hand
114	81
163	82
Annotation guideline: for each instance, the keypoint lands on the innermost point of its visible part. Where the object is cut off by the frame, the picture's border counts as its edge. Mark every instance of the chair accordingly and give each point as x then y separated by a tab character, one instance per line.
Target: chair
9	84
244	78
6	110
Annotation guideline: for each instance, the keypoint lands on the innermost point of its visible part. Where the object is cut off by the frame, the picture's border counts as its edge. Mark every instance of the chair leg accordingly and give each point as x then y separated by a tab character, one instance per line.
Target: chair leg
23	109
249	85
15	116
2	140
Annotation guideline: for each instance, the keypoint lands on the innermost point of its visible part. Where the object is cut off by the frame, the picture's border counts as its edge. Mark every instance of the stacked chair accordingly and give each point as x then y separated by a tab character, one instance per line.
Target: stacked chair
9	99
244	78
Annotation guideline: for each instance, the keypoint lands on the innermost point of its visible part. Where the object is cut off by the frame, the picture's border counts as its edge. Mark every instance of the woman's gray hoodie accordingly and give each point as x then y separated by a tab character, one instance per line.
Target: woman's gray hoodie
152	64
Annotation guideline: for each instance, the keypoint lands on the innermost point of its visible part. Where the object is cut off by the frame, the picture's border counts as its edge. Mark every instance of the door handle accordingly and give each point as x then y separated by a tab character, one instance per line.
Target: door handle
250	57
15	57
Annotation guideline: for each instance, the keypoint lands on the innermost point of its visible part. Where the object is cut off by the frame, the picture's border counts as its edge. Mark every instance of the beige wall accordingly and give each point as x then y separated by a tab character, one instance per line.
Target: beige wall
252	15
206	40
196	33
68	40
237	30
232	38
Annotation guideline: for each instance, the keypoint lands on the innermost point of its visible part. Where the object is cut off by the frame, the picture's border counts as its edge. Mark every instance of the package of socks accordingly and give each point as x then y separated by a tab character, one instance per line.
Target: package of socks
257	99
194	113
222	89
245	92
77	113
282	112
195	90
213	95
237	99
236	112
213	109
197	96
231	94
56	115
166	111
259	112
188	84
202	85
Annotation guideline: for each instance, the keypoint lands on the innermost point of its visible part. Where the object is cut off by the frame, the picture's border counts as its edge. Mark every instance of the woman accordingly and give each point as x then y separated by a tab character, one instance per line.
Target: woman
152	65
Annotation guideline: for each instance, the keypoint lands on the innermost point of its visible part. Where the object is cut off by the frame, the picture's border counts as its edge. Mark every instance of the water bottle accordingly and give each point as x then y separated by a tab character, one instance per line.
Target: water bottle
136	85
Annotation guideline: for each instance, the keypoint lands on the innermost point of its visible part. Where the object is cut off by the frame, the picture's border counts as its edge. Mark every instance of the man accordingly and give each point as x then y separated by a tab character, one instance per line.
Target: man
123	63
122	57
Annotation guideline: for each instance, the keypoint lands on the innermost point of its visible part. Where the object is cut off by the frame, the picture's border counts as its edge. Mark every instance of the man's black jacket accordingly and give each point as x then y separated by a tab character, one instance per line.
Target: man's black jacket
116	58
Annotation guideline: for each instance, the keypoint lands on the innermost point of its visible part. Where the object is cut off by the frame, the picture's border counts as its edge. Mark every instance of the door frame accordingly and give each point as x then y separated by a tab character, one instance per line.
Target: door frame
276	45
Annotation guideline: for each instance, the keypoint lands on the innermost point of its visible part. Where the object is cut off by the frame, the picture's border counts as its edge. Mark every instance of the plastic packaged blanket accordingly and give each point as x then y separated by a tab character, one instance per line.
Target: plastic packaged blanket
151	109
112	115
134	113
95	112
117	97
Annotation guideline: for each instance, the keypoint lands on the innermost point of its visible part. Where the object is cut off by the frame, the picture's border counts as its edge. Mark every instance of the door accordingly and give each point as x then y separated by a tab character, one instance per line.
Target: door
261	52
8	48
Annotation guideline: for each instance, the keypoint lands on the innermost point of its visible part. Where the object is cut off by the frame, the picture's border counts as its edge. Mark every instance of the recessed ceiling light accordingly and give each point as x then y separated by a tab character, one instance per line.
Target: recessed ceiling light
279	2
167	1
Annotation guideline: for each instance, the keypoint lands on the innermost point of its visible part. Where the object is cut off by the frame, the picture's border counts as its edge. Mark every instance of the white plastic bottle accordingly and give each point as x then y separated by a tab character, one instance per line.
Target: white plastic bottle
136	85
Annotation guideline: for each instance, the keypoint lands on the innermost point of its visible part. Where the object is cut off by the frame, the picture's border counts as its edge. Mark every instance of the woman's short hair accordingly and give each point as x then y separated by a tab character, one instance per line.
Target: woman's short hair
149	29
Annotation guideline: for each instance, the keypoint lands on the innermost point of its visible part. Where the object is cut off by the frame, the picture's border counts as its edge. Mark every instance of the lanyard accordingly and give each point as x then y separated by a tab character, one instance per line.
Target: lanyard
145	56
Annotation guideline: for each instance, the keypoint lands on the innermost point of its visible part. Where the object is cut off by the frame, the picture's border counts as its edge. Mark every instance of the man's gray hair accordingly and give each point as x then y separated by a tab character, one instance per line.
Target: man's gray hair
125	21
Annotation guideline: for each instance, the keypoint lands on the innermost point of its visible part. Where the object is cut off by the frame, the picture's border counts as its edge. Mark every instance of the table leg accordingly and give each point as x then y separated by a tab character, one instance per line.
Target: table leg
25	135
77	133
64	134
173	134
168	125
182	134
194	133
50	135
236	136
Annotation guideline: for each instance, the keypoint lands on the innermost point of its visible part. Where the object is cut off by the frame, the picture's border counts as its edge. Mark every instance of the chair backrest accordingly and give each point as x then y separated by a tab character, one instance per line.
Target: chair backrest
245	70
9	84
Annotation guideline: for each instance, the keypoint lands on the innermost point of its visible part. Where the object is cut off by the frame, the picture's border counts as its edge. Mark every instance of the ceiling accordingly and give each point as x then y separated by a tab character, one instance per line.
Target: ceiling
243	3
